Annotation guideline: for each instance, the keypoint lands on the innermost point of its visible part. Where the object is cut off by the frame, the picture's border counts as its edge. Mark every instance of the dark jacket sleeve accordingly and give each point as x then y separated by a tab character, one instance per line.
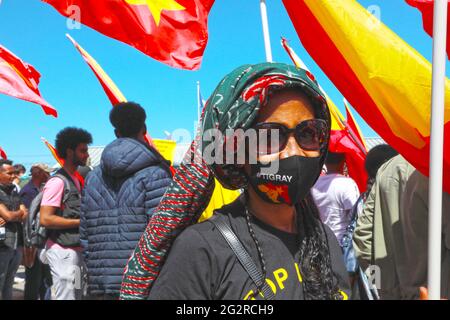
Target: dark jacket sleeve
186	274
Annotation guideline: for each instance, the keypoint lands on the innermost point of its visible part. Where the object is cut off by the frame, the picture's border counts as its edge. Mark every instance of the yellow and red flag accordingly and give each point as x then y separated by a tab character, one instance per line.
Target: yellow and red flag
20	80
3	154
385	80
354	128
53	152
342	139
60	160
111	90
172	31
426	8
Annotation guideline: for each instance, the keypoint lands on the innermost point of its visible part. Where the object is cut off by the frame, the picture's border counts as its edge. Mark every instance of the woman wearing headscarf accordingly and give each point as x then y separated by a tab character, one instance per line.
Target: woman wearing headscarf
275	220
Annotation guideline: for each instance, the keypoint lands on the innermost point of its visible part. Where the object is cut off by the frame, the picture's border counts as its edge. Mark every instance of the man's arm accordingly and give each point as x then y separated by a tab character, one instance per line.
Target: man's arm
11	216
51	220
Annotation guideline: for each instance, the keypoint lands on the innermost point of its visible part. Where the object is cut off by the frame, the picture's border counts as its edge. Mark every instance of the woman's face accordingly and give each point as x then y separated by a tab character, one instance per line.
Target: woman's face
289	108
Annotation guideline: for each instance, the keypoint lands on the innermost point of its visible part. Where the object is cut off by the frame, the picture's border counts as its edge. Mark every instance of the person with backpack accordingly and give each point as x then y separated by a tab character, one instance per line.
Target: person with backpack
37	274
270	242
118	200
60	215
12	213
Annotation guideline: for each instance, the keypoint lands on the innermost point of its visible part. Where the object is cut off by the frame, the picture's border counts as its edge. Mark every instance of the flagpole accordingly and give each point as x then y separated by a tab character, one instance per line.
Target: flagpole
436	150
265	25
199	103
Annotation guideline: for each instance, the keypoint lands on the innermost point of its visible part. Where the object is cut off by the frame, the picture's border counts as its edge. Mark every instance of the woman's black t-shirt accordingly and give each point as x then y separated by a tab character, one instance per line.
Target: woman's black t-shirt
201	265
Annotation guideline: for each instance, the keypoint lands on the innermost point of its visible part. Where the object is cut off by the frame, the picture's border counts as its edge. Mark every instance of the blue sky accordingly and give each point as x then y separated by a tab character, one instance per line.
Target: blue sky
36	33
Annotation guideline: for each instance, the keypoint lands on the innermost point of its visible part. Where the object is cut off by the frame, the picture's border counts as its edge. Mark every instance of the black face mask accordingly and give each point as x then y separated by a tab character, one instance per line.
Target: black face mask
291	183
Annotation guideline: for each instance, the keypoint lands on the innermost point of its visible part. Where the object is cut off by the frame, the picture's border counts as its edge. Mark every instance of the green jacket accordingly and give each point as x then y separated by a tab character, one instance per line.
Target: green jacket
414	221
378	238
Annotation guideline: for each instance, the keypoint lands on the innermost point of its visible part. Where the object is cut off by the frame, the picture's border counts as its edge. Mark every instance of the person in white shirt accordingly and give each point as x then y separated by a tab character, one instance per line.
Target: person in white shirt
335	195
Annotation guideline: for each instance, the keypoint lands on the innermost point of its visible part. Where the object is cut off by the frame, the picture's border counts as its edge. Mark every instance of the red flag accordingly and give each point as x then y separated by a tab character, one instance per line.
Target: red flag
3	154
20	80
172	31
342	142
426	8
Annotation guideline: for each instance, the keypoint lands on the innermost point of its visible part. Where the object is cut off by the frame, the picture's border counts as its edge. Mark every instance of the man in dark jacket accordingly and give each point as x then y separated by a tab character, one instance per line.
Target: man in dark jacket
12	213
118	200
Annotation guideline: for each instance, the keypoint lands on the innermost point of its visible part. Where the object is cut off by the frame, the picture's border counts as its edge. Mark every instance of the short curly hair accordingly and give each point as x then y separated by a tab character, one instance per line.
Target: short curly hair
128	118
70	138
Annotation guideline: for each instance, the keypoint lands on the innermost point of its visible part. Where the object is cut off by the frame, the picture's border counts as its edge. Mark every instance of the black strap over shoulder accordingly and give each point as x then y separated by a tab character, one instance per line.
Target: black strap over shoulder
244	258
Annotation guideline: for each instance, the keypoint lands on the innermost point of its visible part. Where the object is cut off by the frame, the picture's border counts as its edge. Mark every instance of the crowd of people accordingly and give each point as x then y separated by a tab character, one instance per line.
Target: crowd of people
127	229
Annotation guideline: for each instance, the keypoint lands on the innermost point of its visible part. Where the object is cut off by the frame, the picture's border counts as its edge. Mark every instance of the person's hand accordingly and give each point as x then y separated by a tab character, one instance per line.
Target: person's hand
25	213
2	222
424	294
19	215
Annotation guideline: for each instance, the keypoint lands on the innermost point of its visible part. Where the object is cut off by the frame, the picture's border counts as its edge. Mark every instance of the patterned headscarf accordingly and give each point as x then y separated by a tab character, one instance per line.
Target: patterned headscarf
240	95
234	104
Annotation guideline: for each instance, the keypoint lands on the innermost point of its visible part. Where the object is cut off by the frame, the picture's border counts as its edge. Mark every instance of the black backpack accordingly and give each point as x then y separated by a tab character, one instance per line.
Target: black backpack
35	235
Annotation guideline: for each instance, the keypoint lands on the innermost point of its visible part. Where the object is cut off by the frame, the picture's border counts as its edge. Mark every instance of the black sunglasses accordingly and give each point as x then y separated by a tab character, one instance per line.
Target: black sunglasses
273	137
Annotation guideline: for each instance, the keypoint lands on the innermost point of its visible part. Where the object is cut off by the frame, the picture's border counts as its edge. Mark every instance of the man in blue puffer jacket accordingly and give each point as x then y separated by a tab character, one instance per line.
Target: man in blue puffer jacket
118	200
